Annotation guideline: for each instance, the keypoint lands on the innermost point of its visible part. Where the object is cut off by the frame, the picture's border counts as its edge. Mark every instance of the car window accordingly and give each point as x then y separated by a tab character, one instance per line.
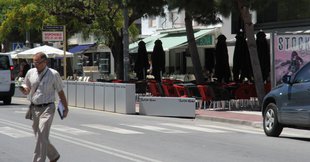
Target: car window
303	75
4	62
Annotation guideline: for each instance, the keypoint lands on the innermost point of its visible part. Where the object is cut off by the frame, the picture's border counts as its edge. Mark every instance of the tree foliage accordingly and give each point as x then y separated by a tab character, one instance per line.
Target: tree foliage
17	17
204	12
105	19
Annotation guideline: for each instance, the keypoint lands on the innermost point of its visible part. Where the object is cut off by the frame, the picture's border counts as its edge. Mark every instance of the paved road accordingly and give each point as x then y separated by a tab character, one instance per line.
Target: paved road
97	136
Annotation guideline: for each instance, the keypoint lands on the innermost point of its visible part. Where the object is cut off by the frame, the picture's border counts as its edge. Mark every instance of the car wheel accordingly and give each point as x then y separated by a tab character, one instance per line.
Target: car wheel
272	127
7	100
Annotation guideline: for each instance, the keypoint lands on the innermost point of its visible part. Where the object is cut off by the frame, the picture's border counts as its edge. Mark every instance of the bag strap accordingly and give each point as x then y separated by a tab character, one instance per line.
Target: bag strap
38	84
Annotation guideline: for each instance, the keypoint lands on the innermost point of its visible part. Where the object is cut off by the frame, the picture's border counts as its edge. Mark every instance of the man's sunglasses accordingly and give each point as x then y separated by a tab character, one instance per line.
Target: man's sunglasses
38	63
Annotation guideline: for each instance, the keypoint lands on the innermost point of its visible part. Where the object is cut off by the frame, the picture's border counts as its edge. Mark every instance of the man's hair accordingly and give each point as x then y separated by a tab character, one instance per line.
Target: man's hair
42	55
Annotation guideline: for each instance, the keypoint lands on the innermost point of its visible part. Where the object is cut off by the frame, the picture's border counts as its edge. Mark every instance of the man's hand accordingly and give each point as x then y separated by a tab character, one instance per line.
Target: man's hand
66	112
24	90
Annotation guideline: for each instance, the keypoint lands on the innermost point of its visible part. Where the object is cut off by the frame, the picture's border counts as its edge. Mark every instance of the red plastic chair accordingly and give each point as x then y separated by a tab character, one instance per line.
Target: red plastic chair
153	89
169	90
244	91
180	90
117	81
206	95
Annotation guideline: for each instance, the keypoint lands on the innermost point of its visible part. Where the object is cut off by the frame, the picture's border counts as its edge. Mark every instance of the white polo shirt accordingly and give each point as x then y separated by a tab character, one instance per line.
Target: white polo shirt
47	87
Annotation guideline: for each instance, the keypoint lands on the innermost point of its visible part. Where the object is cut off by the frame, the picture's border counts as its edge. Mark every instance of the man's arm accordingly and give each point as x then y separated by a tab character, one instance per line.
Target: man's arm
63	100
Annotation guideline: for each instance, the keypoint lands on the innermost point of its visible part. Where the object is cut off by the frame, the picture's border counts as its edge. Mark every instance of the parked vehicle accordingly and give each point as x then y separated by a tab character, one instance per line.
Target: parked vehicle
7	84
288	105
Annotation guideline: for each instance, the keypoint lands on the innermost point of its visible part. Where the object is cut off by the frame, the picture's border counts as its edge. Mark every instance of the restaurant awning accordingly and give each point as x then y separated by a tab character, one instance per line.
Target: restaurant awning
81	48
175	39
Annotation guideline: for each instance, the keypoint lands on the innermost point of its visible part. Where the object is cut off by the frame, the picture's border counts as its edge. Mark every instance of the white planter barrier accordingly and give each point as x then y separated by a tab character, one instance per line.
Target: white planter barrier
80	94
65	83
89	95
109	97
167	106
71	94
125	98
99	96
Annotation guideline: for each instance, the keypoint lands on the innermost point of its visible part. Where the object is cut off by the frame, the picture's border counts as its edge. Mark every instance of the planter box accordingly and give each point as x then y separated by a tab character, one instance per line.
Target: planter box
125	98
109	97
99	96
167	106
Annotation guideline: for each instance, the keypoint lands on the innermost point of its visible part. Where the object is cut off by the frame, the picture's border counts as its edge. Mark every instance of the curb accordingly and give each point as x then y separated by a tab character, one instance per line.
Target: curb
231	121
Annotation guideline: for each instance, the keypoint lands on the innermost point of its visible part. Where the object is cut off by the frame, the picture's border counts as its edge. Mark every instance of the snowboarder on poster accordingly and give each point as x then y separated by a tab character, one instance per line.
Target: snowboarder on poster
294	64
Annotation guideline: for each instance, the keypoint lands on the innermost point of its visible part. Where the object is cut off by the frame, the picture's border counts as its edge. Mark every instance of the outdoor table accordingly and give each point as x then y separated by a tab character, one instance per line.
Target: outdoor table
191	89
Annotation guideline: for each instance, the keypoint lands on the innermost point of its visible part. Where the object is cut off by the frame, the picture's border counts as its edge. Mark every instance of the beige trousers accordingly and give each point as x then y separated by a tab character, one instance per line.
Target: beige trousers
42	121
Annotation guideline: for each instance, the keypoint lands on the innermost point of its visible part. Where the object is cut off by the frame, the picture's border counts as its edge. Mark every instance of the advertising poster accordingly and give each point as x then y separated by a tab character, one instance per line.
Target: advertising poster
291	52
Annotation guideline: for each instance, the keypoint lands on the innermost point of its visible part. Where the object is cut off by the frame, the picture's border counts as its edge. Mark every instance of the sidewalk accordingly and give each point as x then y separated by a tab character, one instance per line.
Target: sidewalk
249	118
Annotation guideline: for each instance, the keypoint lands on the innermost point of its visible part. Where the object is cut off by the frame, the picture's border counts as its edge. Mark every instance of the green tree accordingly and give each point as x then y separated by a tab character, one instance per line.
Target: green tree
204	12
19	17
105	19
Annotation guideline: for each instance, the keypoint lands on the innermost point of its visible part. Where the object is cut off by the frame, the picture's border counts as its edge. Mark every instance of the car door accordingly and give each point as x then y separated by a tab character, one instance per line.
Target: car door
297	111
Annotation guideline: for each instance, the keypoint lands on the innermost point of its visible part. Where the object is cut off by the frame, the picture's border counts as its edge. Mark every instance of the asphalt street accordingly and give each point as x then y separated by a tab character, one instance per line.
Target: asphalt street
96	136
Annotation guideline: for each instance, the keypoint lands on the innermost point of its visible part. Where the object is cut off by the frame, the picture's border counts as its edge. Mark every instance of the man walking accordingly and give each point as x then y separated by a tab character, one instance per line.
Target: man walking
40	84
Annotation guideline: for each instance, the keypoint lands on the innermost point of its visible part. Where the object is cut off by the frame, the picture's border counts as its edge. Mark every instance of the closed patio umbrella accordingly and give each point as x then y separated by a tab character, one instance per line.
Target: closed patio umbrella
141	62
158	60
222	70
263	52
241	62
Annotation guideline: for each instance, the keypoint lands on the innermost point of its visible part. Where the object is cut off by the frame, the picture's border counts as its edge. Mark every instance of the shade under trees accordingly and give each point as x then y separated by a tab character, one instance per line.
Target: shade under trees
141	63
222	70
263	52
158	60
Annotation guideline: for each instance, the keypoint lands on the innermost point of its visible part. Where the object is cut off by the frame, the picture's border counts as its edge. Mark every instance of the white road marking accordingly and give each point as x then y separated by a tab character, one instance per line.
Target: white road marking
20	111
87	144
156	129
111	129
233	129
15	133
201	129
71	130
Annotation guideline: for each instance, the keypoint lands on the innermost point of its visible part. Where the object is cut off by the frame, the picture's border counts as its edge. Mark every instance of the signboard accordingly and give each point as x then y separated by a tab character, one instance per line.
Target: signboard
56	33
291	52
52	36
17	46
53	33
205	40
55	28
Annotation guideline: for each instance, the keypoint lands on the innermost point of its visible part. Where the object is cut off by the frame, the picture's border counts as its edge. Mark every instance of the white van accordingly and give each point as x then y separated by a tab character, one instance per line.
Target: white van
7	84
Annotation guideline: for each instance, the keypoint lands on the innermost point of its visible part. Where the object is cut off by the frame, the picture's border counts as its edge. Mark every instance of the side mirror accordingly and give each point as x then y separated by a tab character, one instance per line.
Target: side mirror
286	79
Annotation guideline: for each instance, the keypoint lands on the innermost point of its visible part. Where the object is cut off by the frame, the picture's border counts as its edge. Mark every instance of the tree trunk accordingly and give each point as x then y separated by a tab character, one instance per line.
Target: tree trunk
6	46
249	30
117	52
193	48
